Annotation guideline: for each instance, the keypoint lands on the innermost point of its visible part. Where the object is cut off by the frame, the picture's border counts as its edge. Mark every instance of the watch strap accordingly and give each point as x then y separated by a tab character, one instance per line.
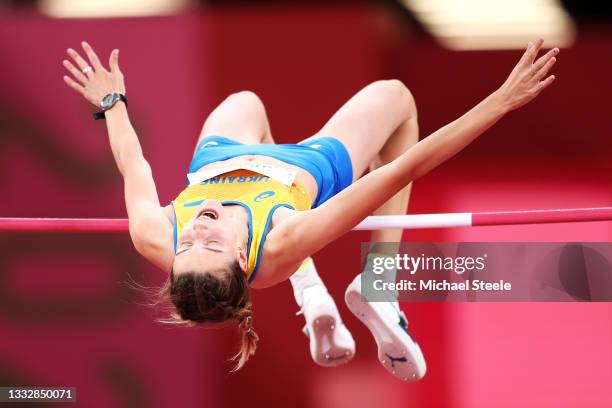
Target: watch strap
100	114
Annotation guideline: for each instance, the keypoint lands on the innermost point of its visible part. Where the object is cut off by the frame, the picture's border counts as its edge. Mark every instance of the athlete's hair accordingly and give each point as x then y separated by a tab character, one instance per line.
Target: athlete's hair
200	297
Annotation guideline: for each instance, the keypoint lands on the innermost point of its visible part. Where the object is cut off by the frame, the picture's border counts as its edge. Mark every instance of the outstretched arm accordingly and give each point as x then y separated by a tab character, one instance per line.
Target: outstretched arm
150	230
305	233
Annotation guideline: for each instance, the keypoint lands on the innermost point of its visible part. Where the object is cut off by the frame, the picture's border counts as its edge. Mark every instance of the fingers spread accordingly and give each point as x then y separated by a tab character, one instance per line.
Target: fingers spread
75	72
71	83
93	58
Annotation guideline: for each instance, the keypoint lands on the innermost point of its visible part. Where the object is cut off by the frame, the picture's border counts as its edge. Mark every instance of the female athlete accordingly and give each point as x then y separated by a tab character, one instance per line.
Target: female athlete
253	212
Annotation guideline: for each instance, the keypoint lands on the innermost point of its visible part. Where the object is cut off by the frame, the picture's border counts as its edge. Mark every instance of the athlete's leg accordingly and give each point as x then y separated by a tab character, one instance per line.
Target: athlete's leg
377	125
240	117
404	137
368	120
331	343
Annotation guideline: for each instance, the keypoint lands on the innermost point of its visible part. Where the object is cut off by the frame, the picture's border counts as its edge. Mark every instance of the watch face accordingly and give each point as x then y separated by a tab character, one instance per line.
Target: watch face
108	101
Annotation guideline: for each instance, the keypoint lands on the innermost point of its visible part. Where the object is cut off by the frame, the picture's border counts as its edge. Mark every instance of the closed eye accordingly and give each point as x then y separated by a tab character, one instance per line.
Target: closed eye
189	247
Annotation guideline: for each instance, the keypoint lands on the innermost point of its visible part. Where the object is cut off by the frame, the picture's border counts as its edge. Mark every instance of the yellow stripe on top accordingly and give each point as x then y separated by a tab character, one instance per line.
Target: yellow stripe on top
259	195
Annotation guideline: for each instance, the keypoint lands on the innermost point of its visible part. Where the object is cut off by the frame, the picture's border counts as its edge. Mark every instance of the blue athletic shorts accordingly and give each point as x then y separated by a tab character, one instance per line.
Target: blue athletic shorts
326	158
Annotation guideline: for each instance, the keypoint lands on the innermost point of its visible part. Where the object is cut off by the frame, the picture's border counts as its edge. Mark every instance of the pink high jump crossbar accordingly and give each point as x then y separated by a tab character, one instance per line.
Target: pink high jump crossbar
415	221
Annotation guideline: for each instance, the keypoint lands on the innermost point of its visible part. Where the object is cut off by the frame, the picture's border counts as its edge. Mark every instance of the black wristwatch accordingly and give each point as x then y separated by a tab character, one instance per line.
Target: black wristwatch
108	102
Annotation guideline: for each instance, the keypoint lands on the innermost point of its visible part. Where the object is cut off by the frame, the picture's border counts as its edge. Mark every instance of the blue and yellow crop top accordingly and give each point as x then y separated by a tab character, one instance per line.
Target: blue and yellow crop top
259	195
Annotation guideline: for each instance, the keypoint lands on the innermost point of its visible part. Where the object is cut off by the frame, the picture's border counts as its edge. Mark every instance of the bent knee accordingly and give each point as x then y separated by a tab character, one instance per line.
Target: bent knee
396	92
244	104
248	98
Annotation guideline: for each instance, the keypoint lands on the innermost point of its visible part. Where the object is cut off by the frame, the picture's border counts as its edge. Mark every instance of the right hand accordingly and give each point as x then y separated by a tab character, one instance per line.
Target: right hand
525	81
97	83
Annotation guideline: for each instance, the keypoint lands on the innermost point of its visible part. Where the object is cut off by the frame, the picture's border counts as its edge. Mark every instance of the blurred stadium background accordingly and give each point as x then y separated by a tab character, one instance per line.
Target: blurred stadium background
67	320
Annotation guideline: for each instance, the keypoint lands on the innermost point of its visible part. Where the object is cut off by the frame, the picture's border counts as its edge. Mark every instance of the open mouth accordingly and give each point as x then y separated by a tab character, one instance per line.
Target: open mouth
208	213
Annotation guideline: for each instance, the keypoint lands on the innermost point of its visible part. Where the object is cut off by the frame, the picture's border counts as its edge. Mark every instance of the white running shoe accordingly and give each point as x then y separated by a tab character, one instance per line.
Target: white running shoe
331	344
397	351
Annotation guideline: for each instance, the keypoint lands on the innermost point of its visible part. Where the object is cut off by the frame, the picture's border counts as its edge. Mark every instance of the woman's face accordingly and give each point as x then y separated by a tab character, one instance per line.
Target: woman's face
212	239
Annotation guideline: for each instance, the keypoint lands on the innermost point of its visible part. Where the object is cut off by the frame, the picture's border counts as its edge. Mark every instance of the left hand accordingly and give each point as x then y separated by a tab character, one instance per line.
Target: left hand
98	82
527	79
